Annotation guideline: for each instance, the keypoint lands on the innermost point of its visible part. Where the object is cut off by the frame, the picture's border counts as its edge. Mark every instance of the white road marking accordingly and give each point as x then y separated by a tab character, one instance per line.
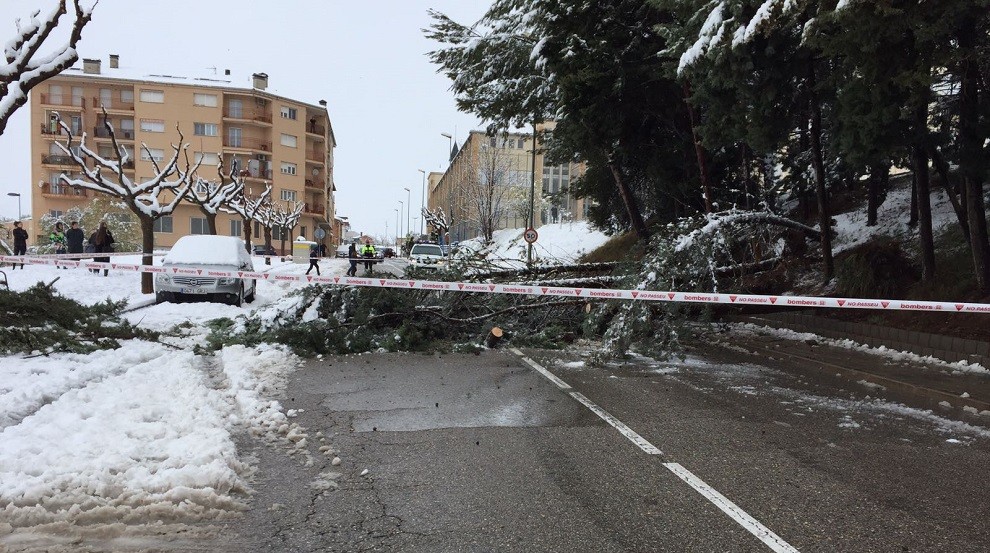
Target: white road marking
536	366
773	541
750	524
629	433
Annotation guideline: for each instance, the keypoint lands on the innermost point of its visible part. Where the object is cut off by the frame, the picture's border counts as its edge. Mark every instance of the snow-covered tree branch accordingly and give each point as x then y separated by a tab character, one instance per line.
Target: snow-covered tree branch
25	67
246	205
149	200
210	196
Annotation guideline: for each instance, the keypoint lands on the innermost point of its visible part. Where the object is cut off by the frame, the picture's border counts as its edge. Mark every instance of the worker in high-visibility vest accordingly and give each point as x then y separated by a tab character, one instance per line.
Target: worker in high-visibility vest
368	252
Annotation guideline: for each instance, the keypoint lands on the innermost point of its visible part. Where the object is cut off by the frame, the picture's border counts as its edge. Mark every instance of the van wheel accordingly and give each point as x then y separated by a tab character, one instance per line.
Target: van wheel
239	299
250	297
160	297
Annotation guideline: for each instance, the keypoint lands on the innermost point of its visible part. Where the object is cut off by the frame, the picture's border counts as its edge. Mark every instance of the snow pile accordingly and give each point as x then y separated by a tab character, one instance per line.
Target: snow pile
150	441
254	374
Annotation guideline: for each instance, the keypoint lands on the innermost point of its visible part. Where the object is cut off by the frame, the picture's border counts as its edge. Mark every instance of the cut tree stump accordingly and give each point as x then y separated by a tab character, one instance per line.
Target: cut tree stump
494	337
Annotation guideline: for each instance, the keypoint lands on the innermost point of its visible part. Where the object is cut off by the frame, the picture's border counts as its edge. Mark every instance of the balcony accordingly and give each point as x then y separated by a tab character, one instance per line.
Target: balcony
242	114
247	143
313	128
62	100
113	105
56	190
122	134
317	184
314	209
317	156
61	160
57	131
253	173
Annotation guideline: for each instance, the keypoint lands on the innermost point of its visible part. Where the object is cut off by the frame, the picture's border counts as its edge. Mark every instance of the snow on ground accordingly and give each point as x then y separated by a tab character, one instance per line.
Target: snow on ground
145	432
892	218
561	243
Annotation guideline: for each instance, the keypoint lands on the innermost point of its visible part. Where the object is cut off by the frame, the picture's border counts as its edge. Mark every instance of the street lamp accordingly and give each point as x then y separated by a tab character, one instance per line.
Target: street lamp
450	144
18	203
408	210
422	203
396	226
402	206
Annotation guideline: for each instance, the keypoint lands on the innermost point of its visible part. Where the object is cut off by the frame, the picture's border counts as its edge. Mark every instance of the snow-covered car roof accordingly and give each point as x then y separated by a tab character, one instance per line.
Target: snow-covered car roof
208	250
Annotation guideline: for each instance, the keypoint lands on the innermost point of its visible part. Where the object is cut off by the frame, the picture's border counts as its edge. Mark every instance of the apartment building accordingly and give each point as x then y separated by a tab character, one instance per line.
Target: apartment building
272	139
505	160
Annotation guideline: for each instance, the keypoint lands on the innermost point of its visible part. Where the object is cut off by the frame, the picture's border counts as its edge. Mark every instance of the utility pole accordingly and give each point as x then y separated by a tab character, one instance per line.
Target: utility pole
422	204
532	201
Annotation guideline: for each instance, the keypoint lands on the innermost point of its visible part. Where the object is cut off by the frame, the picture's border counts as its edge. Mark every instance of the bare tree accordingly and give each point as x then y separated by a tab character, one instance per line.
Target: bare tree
144	199
210	197
273	215
248	207
25	67
438	220
488	189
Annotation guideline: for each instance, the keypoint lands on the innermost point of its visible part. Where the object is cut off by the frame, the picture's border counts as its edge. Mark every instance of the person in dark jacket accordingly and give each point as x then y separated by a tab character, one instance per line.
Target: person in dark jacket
102	241
352	256
20	241
75	237
314	260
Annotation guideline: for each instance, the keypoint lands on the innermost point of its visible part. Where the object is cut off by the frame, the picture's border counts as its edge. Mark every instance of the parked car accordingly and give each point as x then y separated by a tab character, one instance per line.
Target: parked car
342	250
223	253
427	256
259	249
388	252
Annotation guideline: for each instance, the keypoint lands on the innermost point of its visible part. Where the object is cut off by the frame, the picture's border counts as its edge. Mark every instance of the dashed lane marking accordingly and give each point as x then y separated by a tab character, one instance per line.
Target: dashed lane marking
750	524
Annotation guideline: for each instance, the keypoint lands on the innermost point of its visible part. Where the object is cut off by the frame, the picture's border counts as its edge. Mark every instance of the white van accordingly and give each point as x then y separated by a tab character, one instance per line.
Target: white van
224	253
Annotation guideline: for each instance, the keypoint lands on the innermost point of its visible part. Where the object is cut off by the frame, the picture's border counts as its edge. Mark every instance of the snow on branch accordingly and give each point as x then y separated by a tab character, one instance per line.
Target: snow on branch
212	196
107	176
24	67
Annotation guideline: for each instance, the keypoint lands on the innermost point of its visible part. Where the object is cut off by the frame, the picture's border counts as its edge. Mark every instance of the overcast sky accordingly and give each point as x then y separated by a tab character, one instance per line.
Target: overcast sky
387	104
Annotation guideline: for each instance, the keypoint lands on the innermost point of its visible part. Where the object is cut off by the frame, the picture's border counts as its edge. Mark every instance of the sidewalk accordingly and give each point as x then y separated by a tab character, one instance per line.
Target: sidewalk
929	383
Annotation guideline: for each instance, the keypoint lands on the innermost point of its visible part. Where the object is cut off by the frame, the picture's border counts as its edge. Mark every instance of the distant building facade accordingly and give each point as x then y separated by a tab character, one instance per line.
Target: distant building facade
455	190
273	140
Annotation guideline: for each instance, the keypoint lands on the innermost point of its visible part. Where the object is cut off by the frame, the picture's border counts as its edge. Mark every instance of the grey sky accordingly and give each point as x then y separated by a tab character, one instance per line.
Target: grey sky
387	104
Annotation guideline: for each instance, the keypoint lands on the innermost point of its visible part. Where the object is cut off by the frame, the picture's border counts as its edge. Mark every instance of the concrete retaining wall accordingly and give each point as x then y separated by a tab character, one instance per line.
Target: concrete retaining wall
947	348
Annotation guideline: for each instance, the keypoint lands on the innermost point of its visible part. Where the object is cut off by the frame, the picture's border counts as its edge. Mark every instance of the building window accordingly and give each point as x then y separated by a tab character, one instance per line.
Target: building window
205	129
127	96
198	225
302	232
153	96
208	159
56	214
288	140
152	125
164	224
288	113
236	227
54	94
522	143
288	169
280	233
206	100
148	154
288	195
257	229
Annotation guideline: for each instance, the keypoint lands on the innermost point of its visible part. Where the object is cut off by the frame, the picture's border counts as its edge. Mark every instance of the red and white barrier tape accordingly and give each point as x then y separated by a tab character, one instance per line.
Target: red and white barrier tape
530	290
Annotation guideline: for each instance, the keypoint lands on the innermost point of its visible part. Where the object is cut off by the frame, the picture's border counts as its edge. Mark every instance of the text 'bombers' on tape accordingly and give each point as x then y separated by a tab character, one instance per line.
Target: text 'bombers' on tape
524	289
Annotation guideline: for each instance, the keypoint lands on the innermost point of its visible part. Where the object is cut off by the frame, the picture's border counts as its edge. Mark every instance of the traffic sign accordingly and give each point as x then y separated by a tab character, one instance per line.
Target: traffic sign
320	234
530	235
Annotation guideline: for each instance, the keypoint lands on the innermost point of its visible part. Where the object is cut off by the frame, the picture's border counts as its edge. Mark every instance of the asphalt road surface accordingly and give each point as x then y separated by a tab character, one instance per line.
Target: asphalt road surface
717	453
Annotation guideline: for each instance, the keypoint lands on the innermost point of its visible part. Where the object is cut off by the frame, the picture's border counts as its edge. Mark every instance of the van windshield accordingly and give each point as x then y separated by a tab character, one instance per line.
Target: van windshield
426	249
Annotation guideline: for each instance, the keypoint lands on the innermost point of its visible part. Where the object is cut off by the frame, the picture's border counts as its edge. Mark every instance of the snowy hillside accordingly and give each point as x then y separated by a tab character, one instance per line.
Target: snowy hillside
557	244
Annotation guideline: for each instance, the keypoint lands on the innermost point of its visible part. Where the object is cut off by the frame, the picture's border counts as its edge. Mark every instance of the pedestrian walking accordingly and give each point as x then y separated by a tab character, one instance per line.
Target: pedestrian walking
314	260
102	241
352	256
57	238
20	241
